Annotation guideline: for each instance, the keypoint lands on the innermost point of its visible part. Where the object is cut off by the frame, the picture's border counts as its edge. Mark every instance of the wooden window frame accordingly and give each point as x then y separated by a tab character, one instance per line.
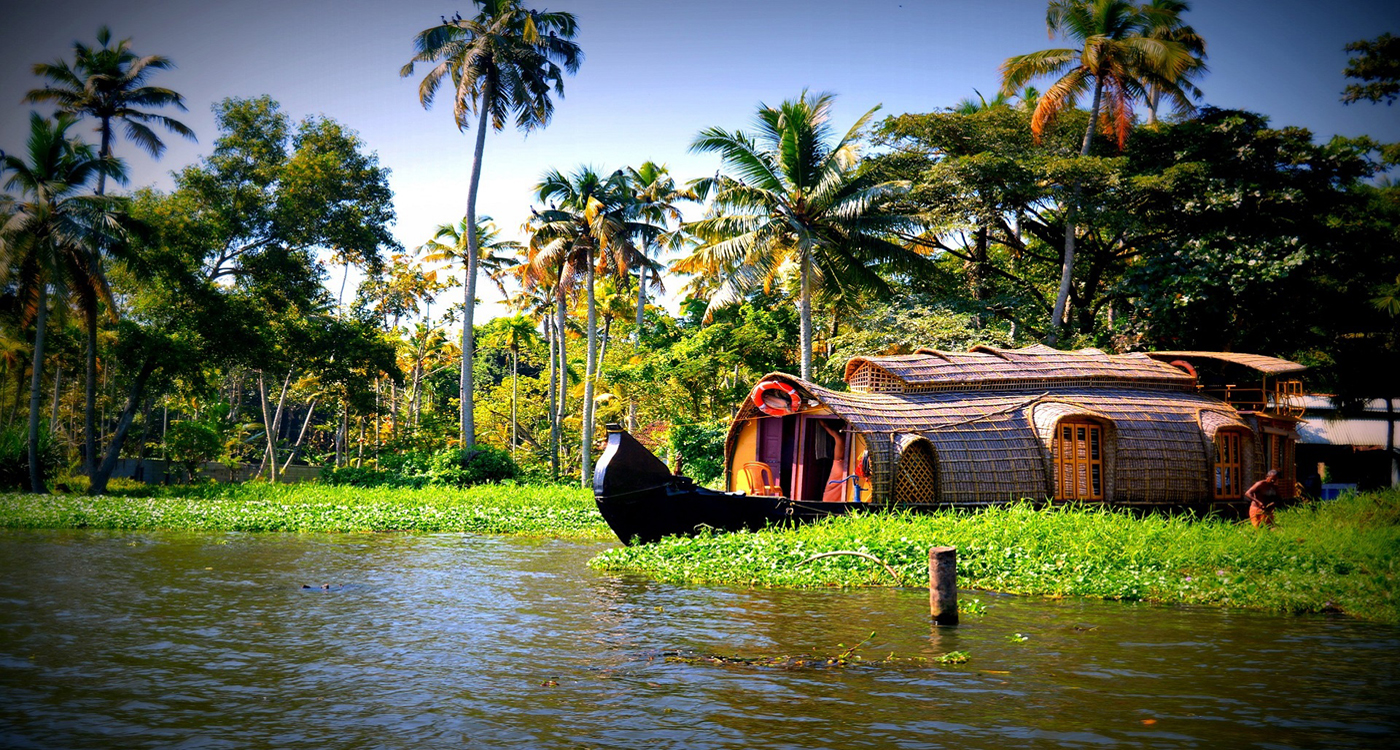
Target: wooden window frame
1228	476
1080	444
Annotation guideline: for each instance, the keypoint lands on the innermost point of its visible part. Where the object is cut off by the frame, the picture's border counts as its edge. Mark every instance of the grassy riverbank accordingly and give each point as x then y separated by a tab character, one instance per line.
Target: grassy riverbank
1337	556
485	509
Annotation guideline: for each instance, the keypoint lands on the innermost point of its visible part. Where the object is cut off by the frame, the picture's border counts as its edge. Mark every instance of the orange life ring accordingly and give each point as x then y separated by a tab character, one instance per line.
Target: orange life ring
863	465
776	409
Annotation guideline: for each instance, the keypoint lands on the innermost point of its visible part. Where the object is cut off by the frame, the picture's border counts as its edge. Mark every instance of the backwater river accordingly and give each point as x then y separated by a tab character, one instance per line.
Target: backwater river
211	640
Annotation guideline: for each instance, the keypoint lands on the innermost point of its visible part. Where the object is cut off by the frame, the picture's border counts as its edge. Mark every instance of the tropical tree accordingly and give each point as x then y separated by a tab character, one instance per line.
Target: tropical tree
1376	62
498	256
504	61
1165	23
586	230
655	207
108	84
49	239
795	198
1115	58
543	292
512	333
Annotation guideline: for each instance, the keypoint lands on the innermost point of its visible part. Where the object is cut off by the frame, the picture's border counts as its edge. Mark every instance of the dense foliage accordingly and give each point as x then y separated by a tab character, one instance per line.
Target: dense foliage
223	302
483	464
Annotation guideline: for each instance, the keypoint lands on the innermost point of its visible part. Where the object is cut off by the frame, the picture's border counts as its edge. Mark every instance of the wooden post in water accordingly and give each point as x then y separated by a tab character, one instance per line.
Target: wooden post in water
943	585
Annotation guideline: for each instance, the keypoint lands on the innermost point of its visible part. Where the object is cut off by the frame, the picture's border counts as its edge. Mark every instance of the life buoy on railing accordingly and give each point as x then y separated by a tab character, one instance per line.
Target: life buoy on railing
776	398
863	465
1183	364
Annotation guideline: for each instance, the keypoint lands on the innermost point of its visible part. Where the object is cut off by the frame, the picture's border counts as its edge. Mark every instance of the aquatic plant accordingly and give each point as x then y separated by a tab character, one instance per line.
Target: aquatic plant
1336	556
485	509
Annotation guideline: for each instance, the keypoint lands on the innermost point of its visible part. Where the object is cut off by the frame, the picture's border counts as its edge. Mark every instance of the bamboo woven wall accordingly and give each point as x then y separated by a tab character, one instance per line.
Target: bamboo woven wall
995	446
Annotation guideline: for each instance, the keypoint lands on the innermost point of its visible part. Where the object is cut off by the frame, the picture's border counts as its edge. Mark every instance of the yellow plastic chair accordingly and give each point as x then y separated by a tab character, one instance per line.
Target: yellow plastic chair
760	477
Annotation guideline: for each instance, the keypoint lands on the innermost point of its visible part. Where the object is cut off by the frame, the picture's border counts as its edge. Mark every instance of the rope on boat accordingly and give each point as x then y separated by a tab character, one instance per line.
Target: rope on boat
853	553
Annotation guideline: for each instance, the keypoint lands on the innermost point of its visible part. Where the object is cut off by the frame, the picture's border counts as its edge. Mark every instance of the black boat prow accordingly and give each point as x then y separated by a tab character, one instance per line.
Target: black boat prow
643	501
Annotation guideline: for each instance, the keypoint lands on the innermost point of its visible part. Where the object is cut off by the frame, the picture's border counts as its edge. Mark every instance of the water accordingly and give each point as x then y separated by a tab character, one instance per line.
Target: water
210	641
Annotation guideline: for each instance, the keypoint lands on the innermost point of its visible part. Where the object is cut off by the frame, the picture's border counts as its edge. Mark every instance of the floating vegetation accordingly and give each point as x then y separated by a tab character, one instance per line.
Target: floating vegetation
484	509
1334	556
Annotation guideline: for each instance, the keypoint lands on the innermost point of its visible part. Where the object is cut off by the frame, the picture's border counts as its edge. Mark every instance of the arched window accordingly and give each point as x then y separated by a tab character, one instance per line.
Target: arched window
916	476
1079	460
1229	465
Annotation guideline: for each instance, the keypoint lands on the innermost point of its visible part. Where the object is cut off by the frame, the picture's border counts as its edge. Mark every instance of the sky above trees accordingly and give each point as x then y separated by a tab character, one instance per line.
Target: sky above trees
654	74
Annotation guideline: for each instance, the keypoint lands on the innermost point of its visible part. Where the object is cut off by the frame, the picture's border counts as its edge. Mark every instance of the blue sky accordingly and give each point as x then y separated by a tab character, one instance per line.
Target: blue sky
655	73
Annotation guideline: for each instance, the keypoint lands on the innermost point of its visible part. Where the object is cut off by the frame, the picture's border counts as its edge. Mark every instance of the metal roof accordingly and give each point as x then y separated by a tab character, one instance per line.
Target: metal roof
1358	432
1266	365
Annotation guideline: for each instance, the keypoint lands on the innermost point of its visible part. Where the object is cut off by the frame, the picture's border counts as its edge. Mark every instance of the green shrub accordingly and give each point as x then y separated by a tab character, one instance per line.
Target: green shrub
700	449
453	468
14	456
190	444
364	476
484	464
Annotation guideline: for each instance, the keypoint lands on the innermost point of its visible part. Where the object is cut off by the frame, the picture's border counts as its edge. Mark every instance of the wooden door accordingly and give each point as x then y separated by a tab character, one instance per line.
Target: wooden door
1229	466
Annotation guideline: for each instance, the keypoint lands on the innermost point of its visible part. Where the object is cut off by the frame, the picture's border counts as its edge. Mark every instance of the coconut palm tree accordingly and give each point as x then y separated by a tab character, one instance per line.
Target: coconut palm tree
1114	60
586	230
502	62
795	199
48	244
543	293
655	207
513	333
108	84
449	245
1165	22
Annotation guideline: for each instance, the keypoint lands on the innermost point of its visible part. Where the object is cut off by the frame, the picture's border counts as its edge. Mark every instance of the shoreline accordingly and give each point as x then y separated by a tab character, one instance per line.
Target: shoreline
1339	556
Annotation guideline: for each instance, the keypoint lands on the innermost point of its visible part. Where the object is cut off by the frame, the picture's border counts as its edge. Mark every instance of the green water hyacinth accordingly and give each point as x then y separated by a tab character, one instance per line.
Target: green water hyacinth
1339	556
489	509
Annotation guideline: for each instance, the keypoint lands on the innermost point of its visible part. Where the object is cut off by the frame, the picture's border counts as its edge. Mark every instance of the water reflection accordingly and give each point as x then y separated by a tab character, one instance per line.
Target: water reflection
210	640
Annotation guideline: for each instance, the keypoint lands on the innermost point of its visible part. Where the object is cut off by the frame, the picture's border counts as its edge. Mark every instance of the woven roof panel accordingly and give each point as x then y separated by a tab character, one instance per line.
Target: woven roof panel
986	365
991	448
1266	365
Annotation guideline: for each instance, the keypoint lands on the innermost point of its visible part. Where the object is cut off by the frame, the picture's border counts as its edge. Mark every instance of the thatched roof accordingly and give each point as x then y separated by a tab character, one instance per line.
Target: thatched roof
1266	365
989	367
993	445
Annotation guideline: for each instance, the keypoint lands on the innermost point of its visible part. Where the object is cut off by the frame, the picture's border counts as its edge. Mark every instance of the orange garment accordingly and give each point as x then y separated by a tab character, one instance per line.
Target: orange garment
835	487
1260	516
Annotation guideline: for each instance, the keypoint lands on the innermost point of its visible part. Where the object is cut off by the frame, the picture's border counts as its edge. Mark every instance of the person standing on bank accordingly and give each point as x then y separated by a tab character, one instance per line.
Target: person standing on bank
1262	498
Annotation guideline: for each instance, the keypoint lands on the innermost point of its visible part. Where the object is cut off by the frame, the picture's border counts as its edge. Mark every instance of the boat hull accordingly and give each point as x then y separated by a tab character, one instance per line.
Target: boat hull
642	501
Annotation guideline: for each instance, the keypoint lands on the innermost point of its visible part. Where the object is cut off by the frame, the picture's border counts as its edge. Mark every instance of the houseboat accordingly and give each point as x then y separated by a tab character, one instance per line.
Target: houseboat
989	426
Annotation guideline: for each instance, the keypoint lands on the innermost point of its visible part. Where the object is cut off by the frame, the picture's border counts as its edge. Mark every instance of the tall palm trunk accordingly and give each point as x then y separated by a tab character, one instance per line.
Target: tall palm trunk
641	304
514	396
36	475
590	368
1057	318
557	436
468	425
90	320
549	334
57	391
805	305
114	448
90	386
